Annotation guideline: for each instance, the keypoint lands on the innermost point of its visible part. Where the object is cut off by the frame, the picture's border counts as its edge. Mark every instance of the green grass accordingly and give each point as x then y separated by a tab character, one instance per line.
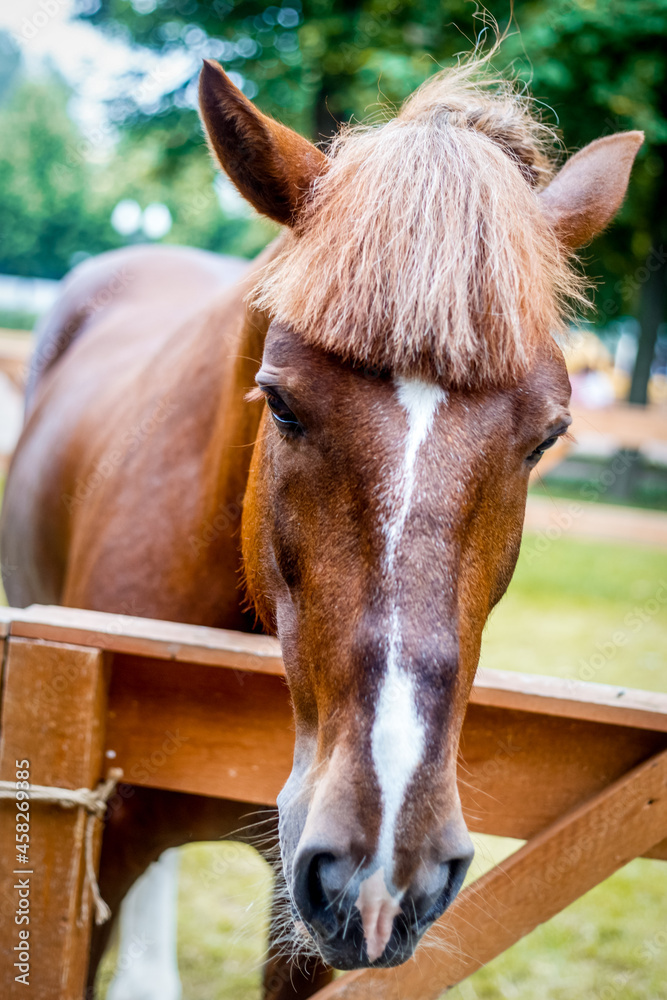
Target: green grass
584	610
577	478
16	319
563	604
609	945
612	943
649	495
230	890
223	911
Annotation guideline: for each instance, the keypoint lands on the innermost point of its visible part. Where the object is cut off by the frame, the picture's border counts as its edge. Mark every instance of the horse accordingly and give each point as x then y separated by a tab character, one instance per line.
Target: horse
357	413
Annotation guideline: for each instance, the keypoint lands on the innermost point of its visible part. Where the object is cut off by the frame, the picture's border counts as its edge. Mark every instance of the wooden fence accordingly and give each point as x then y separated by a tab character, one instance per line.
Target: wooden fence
578	771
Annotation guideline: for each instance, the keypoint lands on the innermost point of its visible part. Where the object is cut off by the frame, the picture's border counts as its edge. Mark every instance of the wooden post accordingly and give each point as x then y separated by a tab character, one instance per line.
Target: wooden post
553	869
53	708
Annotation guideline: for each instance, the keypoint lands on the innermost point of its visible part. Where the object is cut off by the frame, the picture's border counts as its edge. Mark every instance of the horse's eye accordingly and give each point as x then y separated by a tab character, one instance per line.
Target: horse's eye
536	455
283	417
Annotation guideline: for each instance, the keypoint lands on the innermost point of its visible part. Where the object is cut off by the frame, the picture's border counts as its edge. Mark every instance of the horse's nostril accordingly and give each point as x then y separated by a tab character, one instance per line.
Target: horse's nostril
458	869
315	889
429	905
319	898
352	913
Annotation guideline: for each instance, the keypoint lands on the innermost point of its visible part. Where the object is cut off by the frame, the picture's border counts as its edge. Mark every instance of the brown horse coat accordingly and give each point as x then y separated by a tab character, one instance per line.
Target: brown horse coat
402	332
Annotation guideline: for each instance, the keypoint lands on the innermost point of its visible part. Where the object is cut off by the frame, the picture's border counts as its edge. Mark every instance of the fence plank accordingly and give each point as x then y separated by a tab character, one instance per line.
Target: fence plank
538	881
183	643
190	728
161	640
53	710
230	734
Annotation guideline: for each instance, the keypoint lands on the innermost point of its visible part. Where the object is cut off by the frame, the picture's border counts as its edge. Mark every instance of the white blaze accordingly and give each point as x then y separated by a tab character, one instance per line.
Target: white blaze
420	400
398	736
397	742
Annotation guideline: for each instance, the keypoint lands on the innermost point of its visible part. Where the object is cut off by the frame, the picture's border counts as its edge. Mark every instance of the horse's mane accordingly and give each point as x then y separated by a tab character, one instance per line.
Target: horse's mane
423	249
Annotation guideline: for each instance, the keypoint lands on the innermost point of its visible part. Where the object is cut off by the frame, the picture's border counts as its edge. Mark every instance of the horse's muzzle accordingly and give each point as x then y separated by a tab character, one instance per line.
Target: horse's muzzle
326	895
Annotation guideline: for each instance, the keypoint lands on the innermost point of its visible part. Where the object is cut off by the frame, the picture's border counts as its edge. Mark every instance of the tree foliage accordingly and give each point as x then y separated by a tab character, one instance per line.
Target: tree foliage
58	188
52	206
595	66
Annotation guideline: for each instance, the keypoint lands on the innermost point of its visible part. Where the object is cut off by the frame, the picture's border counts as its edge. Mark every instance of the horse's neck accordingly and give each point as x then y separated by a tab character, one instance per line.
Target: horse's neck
234	334
237	420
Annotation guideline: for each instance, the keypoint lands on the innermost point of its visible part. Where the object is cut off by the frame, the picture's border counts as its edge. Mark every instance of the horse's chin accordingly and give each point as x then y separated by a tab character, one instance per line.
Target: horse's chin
347	959
346	949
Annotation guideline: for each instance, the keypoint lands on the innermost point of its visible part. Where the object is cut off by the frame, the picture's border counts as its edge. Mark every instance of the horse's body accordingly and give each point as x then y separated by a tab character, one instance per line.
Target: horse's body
374	507
137	382
155	332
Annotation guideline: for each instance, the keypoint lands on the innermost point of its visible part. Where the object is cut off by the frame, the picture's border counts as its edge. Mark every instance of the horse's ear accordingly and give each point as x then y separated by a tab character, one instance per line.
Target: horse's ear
272	166
587	192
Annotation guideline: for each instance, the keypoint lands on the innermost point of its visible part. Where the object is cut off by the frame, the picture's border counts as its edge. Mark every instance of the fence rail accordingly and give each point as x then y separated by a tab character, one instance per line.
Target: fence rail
555	763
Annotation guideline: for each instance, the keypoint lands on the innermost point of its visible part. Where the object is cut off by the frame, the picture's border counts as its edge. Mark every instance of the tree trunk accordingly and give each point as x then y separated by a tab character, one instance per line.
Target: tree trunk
651	315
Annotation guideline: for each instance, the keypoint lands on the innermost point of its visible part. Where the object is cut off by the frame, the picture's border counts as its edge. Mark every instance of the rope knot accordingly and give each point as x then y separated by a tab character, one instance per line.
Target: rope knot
94	801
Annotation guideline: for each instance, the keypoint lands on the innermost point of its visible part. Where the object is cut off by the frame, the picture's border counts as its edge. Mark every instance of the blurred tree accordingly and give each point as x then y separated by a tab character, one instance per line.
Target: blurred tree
602	66
10	61
599	65
311	64
206	209
50	207
58	189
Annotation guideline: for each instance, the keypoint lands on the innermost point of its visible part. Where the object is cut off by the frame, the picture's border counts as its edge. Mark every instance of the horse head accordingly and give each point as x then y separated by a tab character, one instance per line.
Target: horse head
412	381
